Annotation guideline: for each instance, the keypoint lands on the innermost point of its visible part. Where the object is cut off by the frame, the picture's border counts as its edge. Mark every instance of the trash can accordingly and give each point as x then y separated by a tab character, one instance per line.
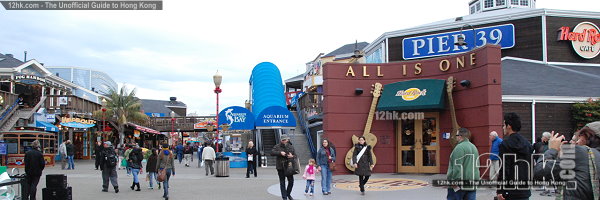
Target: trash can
222	163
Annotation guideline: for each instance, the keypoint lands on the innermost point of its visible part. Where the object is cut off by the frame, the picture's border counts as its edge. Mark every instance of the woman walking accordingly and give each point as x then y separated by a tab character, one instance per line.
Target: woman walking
325	157
363	163
165	162
252	156
135	160
151	169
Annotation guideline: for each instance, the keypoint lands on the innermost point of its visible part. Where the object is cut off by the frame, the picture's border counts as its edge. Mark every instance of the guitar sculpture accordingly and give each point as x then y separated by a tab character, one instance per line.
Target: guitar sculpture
371	139
449	87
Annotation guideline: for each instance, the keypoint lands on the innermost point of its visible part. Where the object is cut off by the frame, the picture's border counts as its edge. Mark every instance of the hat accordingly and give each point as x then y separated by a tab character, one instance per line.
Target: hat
285	138
108	143
165	146
594	126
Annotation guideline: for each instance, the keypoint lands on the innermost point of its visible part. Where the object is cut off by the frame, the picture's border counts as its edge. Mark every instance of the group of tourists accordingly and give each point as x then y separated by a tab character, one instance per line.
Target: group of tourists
554	157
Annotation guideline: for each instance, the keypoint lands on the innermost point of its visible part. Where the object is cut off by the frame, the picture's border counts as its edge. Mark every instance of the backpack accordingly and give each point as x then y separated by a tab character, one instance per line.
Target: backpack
111	160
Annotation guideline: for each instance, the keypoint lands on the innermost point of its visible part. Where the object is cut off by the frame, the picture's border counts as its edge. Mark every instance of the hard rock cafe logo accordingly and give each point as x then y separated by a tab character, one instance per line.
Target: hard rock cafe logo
585	39
411	93
382	184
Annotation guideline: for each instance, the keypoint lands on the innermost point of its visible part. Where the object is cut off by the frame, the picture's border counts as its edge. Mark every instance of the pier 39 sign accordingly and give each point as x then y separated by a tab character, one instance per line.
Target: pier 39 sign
443	43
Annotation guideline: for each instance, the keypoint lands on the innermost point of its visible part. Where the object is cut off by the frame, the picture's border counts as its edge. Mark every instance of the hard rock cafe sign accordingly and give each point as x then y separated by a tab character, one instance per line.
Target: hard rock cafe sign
585	39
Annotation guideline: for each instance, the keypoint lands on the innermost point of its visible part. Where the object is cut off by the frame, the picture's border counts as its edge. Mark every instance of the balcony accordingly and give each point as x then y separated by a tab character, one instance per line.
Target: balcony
311	105
62	104
164	124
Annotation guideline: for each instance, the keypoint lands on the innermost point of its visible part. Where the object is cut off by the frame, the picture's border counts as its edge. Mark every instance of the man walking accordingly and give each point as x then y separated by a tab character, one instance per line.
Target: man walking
462	167
179	151
188	152
70	154
97	151
62	150
515	152
208	155
495	150
284	151
108	165
34	165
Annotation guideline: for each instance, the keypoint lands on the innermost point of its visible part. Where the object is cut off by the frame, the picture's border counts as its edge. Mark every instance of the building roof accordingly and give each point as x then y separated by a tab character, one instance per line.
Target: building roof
347	49
9	61
162	106
501	15
534	78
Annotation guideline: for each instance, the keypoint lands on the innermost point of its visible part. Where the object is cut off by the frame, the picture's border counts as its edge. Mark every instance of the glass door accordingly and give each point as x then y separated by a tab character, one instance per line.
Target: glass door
418	145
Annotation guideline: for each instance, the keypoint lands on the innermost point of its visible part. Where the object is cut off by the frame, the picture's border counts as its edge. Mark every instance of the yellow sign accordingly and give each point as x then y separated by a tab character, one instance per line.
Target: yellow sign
78	120
411	93
382	184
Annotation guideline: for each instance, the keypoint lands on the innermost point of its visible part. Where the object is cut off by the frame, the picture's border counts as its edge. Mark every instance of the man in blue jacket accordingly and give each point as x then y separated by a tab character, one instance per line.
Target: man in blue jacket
495	150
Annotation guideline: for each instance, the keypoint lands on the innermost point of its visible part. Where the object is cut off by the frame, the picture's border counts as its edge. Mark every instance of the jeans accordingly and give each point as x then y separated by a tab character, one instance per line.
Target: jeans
109	174
362	181
285	192
152	177
71	163
180	157
32	182
251	168
325	178
310	184
135	173
460	195
166	183
209	164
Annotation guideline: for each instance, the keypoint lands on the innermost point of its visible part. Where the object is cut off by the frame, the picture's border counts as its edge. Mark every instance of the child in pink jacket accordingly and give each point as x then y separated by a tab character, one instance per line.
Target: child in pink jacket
309	176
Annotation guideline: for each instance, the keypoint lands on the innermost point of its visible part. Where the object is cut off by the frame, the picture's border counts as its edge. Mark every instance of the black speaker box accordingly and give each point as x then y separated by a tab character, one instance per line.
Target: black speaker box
57	193
56	181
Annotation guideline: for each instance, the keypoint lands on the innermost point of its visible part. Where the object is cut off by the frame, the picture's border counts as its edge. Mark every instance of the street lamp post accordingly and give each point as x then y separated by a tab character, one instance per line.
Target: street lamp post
461	38
172	122
217	78
103	118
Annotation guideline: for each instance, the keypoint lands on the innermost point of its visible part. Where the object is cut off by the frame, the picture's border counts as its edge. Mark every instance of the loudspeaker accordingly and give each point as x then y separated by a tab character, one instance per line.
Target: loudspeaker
58	181
57	193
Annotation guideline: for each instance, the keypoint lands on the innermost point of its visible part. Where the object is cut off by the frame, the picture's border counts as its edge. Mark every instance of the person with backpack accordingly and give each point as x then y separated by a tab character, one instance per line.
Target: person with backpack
108	165
151	169
188	152
135	160
166	162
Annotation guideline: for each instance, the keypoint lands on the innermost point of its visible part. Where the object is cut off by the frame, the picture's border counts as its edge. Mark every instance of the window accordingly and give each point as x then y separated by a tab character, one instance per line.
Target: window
488	3
500	2
472	9
478	6
525	2
514	2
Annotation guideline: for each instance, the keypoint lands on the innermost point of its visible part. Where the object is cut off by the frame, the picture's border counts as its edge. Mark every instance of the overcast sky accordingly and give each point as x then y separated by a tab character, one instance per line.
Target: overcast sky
176	51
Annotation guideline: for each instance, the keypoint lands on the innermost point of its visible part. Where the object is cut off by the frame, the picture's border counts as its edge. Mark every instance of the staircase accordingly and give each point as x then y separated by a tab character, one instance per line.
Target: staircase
17	114
269	139
301	144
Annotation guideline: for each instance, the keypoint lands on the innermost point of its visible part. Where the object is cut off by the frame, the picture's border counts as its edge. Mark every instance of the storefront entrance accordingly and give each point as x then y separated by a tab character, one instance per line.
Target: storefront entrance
418	145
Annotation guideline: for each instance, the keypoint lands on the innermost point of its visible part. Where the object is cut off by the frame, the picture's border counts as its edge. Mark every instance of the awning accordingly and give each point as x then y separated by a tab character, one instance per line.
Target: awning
77	125
422	94
47	126
143	128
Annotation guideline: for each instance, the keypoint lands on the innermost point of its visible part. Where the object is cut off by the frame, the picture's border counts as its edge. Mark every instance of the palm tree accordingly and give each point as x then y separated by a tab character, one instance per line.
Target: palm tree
122	107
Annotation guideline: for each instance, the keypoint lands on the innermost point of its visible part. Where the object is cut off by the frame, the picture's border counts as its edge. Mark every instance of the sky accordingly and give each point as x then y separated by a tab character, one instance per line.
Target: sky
174	52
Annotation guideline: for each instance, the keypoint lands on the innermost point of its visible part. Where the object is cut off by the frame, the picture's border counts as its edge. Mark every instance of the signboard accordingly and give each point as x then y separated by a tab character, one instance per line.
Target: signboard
420	94
63	101
275	116
585	39
443	43
238	118
3	150
203	124
156	114
51	118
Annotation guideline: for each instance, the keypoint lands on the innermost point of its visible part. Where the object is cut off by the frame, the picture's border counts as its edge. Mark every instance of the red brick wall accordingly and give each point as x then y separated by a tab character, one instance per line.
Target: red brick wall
478	108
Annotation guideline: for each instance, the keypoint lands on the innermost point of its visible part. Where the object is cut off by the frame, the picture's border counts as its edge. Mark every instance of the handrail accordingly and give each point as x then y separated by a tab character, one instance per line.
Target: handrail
303	123
9	109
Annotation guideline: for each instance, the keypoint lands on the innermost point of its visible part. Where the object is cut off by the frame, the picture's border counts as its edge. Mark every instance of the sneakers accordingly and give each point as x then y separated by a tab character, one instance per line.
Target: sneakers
150	187
104	190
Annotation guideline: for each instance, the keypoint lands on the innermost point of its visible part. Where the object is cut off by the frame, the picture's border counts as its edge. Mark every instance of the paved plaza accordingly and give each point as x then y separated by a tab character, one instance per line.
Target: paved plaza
191	183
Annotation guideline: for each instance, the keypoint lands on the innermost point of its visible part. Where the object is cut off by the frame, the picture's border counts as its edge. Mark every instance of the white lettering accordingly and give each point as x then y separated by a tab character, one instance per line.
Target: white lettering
417	44
443	42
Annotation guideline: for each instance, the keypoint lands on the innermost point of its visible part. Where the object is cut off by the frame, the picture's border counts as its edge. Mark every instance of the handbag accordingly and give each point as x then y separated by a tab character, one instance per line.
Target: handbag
162	175
291	167
331	165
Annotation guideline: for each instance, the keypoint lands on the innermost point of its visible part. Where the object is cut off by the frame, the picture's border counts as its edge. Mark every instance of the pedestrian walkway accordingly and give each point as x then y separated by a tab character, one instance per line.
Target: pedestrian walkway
191	183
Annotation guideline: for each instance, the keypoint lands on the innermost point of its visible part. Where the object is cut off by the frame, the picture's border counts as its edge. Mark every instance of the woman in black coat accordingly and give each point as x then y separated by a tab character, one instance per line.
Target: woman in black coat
135	158
252	158
151	169
363	163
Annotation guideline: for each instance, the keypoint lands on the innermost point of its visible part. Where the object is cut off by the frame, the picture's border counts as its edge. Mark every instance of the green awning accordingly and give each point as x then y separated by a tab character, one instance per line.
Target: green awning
422	94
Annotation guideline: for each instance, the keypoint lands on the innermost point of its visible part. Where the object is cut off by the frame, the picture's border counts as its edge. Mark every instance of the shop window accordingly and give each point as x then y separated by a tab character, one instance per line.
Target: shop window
525	2
488	3
514	2
500	2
